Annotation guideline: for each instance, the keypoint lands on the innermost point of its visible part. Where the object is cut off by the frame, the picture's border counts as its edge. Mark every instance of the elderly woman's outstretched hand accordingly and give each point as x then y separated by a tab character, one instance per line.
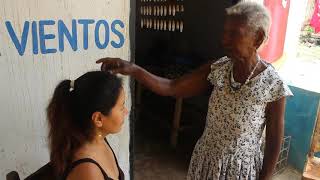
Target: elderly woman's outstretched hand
117	65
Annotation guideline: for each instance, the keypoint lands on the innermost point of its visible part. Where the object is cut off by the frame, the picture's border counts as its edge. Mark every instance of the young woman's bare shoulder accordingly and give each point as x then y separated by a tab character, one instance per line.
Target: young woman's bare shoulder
86	171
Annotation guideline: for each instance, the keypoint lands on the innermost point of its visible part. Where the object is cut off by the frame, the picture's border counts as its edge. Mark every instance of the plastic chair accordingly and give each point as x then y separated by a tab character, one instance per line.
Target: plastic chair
45	172
13	175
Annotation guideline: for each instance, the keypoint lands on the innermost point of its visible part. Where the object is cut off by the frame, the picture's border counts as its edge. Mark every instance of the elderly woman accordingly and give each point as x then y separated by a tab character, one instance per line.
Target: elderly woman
247	95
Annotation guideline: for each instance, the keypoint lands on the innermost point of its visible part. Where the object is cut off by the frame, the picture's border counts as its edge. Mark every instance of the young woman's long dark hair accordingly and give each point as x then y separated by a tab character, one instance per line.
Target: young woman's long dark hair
70	109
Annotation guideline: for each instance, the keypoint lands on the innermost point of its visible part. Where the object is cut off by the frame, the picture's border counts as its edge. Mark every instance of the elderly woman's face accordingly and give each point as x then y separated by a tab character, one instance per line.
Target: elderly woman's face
238	41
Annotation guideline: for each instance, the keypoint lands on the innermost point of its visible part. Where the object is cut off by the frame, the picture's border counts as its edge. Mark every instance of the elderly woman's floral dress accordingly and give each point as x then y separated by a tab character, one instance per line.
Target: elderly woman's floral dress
230	146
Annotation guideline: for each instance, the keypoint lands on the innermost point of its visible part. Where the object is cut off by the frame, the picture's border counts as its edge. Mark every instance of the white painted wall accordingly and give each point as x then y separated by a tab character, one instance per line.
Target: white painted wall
295	20
297	70
27	82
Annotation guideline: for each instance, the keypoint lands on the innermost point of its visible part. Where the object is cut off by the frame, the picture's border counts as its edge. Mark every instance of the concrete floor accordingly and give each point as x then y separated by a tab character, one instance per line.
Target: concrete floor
288	174
155	159
302	71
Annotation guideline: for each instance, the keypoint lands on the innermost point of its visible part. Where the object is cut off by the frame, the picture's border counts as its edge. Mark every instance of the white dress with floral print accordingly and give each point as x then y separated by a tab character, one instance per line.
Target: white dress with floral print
230	146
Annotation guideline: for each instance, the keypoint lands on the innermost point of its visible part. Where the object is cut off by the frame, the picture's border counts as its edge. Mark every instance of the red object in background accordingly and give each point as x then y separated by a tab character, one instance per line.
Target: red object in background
279	10
315	20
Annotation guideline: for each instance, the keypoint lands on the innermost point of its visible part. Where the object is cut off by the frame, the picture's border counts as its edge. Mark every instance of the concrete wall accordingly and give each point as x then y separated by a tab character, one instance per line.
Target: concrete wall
28	76
295	21
300	118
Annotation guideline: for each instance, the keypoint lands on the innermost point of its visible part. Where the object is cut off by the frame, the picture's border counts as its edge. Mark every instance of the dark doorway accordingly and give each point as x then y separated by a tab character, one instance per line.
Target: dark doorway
161	145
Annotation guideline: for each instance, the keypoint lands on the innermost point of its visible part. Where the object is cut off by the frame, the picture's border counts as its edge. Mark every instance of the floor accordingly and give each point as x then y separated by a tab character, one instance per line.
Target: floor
168	167
288	174
156	161
154	158
303	70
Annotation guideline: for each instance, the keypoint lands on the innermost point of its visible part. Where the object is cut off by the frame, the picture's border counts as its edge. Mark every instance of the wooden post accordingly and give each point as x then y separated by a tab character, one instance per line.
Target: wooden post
176	122
138	100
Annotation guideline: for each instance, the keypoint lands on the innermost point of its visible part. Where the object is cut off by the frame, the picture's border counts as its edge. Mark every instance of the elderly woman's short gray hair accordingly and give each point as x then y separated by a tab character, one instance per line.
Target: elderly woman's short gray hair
256	16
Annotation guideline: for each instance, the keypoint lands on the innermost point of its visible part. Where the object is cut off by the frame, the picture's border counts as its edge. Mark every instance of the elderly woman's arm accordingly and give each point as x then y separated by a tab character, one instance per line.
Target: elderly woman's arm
188	85
274	134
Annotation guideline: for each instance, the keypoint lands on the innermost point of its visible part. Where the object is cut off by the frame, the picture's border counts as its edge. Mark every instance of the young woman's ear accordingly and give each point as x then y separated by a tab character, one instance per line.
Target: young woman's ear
97	119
